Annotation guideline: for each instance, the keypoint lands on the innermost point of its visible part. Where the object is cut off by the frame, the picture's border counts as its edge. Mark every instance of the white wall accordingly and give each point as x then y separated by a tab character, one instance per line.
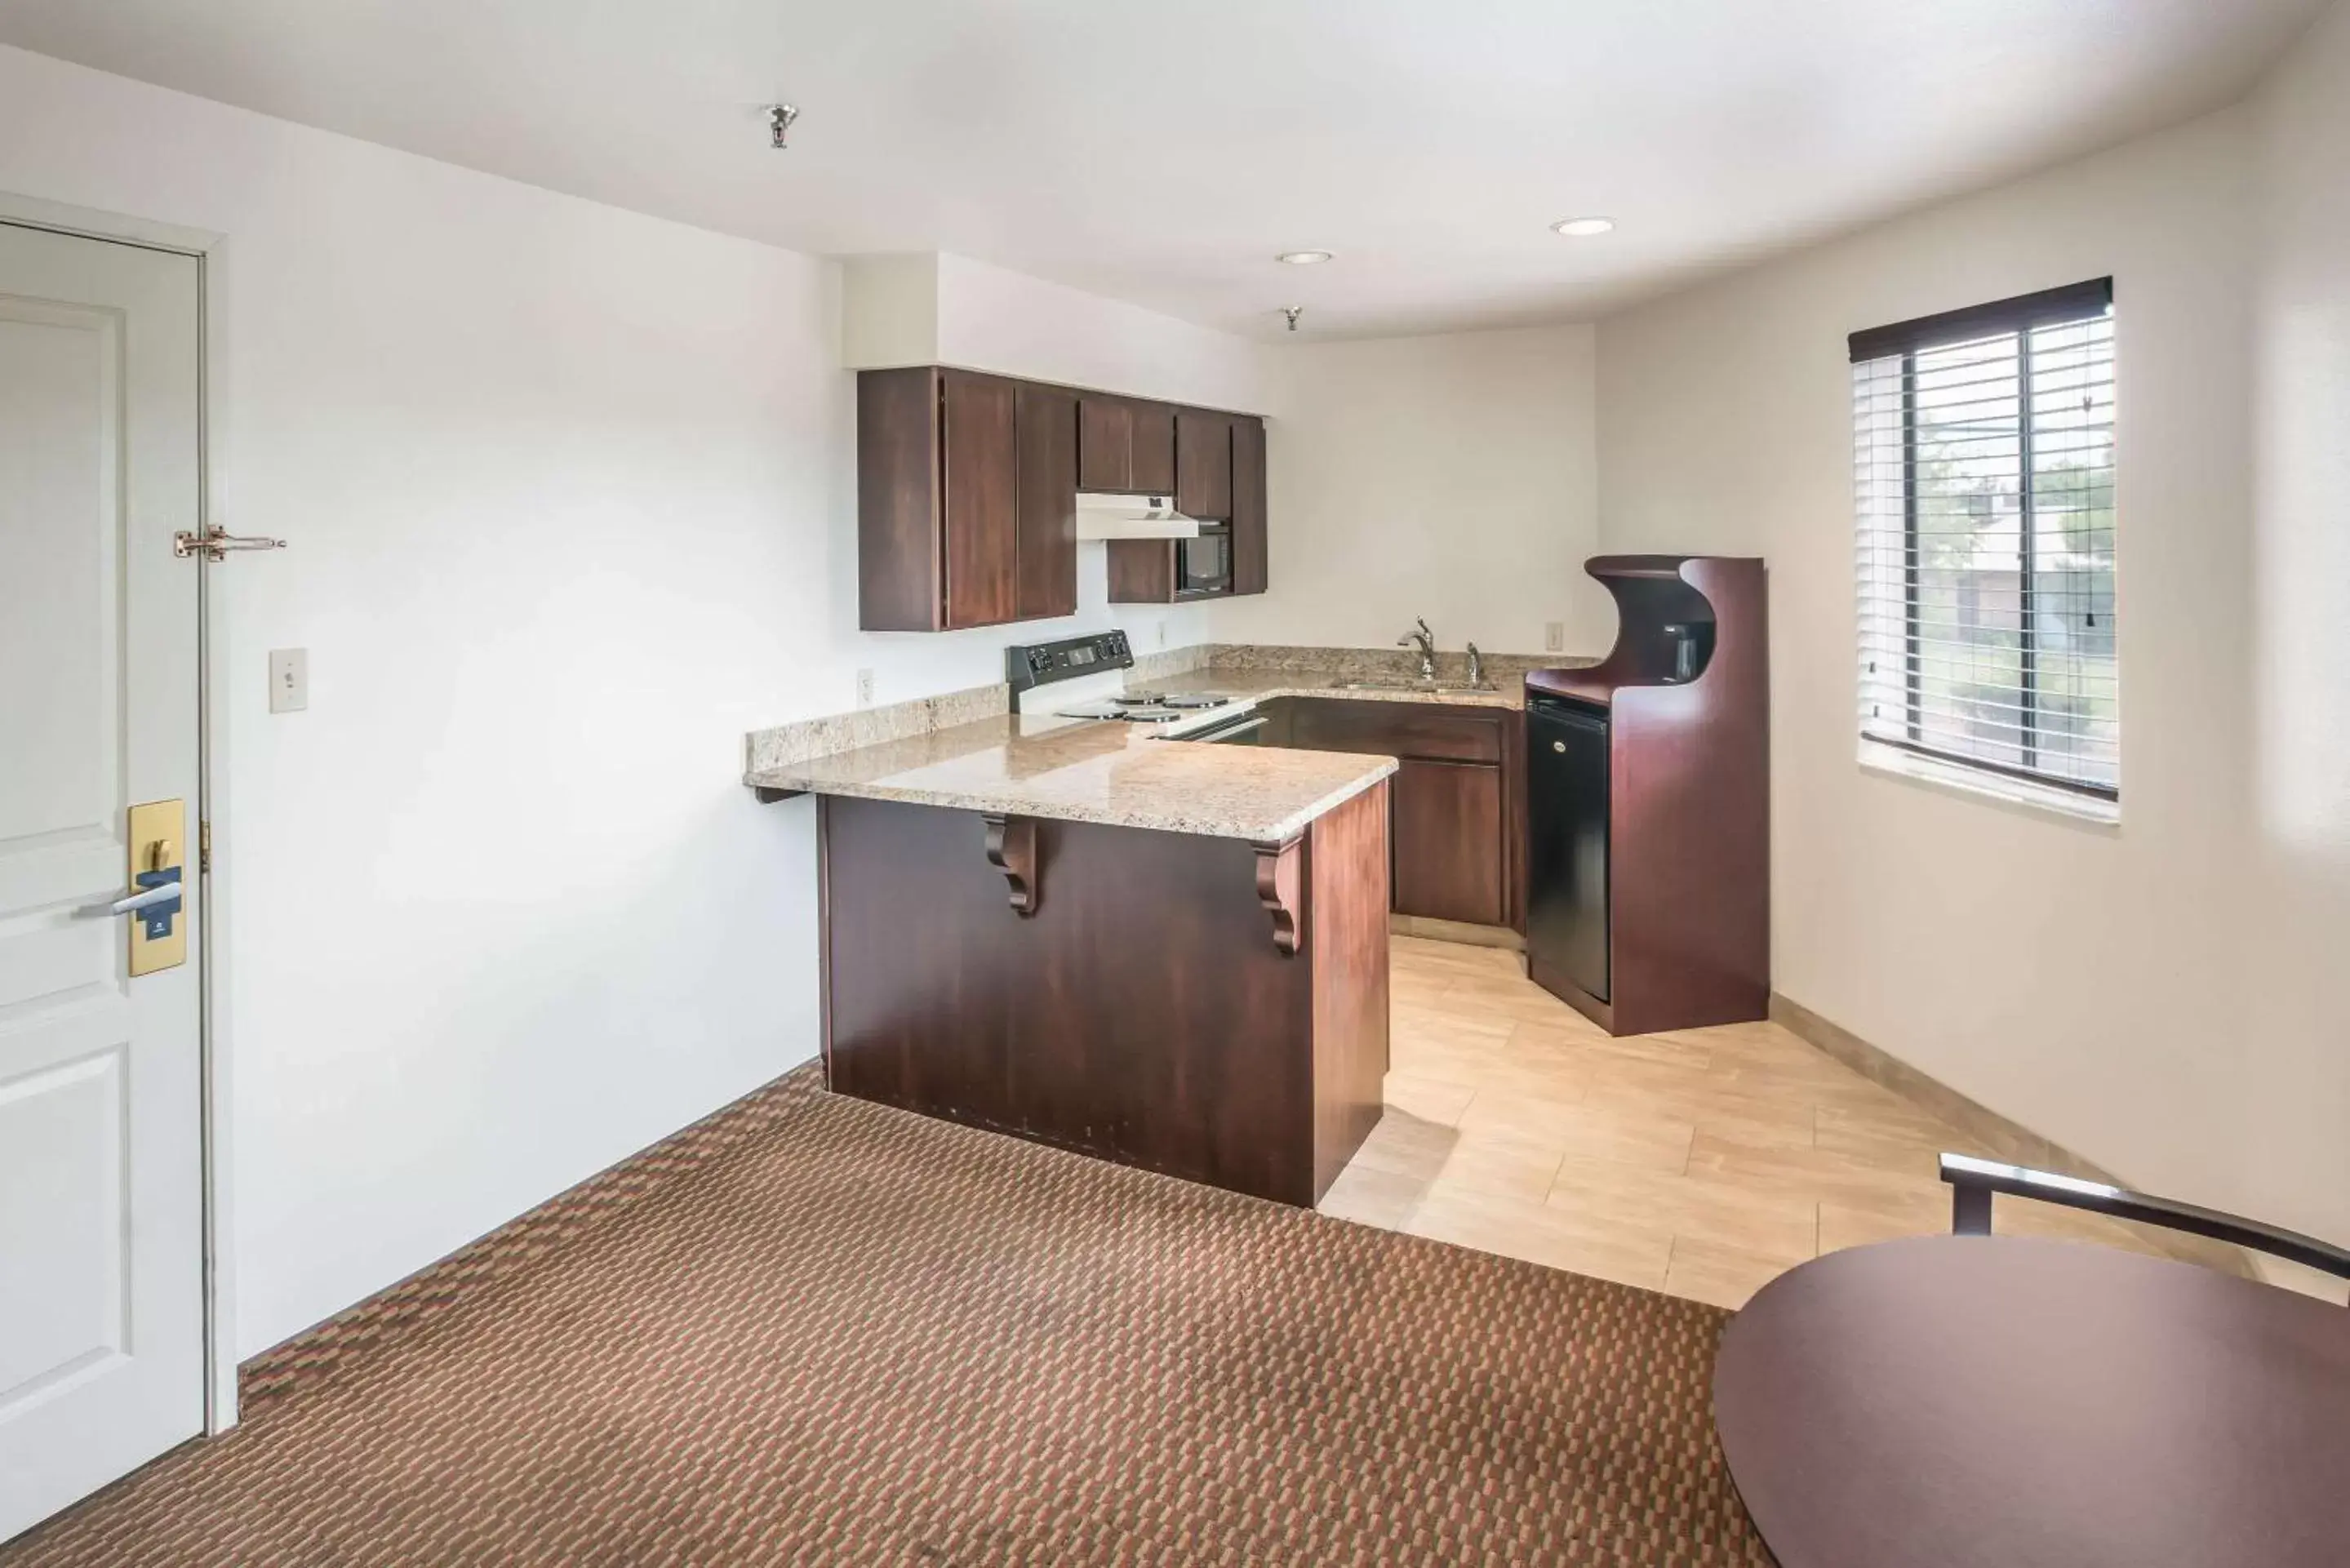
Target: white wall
2104	988
570	493
933	308
2299	913
992	319
889	311
1450	476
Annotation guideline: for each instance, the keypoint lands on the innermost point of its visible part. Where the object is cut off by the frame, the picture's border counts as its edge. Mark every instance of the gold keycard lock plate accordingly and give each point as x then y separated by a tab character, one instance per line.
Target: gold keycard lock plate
159	842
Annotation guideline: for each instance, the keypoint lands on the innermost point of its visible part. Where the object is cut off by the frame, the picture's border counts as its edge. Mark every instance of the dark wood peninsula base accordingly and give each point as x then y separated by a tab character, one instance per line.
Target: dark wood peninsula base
1205	1007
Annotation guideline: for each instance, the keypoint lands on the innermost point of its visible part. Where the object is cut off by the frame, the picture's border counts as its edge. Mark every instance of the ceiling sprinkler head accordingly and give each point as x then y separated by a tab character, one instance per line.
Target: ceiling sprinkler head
1293	312
779	123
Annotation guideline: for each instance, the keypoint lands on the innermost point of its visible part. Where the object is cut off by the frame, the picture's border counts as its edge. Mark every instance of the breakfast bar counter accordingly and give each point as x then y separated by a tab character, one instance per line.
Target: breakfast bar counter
1168	955
1041	765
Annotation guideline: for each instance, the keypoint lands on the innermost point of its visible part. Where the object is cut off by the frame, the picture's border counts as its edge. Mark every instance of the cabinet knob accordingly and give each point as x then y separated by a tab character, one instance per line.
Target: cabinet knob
1558	746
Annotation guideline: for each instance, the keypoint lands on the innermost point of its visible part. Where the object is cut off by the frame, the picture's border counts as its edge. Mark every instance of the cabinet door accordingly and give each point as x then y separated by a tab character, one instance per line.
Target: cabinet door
1046	524
1152	464
1249	575
1142	571
898	500
1203	463
982	504
1105	443
1447	830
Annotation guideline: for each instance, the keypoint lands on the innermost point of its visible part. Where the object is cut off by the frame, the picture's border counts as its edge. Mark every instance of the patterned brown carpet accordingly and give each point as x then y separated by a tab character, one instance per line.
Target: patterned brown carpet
814	1331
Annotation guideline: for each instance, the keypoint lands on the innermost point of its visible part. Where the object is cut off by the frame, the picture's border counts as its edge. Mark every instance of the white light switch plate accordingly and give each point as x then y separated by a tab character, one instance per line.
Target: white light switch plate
1554	636
290	680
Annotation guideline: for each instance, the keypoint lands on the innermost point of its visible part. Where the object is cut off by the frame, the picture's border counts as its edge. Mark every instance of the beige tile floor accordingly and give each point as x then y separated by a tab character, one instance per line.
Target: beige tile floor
1702	1163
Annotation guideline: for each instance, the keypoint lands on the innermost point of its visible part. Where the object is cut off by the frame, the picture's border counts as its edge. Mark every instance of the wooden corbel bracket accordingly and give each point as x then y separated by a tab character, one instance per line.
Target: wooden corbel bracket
1011	849
1281	888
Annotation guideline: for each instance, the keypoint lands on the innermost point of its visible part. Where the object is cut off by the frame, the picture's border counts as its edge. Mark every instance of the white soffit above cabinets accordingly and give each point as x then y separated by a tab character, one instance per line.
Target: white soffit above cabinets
1163	155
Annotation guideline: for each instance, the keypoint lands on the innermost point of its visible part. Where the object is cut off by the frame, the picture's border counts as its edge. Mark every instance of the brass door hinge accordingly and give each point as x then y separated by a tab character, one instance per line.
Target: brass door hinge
203	848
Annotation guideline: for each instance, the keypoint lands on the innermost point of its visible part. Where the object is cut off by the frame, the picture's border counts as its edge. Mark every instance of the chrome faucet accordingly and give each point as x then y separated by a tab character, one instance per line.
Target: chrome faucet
1476	666
1426	641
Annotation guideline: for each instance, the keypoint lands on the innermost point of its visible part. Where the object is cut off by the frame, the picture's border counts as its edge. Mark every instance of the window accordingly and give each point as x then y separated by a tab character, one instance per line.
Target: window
1983	446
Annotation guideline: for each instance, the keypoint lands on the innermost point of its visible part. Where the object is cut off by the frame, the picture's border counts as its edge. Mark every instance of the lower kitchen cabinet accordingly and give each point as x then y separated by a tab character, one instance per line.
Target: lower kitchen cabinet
1448	842
1456	826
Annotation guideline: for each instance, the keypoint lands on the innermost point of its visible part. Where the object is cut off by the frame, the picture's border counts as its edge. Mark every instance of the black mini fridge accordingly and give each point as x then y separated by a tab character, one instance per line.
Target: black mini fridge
1566	839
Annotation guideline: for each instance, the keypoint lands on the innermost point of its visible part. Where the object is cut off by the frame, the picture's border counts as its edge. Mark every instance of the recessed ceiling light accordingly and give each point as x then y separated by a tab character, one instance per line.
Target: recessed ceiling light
1303	259
1583	228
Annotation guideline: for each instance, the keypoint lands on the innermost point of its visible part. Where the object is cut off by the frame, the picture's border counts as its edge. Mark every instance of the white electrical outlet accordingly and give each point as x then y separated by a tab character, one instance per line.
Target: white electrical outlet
1162	634
865	689
290	680
1554	636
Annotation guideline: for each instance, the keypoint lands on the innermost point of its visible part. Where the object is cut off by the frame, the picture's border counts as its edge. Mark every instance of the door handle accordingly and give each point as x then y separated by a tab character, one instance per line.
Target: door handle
136	903
157	900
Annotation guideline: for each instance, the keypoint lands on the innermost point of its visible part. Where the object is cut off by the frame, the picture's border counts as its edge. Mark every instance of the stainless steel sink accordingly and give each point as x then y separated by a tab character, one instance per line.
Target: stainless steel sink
1432	687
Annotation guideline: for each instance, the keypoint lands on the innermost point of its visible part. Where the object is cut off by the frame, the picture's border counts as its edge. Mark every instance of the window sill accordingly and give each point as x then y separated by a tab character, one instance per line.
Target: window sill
1993	789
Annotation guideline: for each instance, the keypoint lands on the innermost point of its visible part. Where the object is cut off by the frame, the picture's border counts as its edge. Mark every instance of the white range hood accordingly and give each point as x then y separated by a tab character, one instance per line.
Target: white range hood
1132	517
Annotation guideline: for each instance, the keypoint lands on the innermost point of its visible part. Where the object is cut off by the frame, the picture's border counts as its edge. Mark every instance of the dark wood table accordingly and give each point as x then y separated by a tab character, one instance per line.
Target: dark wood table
1999	1402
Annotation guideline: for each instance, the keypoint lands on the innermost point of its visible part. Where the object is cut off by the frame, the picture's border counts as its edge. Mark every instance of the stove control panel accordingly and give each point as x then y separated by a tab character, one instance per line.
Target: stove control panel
1041	664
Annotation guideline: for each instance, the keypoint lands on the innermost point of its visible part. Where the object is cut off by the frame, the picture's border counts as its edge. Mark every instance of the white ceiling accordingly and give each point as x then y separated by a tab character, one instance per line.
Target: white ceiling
1161	151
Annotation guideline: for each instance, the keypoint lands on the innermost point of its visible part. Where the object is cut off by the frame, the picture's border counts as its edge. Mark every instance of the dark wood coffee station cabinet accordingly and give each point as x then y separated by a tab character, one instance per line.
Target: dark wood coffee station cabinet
967	487
1648	837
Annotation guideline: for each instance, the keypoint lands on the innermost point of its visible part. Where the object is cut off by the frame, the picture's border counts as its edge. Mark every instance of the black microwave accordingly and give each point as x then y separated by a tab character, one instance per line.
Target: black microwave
1204	566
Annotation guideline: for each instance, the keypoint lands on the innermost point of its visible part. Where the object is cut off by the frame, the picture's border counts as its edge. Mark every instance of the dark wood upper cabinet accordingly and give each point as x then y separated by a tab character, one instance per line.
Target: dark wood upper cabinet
1249	564
1124	444
1203	463
966	499
1142	571
1153	467
1046	521
1105	443
1219	477
899	585
980	487
967	490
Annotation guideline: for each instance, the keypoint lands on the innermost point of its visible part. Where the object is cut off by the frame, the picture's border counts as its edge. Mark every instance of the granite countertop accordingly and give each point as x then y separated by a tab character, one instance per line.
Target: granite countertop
1093	770
964	750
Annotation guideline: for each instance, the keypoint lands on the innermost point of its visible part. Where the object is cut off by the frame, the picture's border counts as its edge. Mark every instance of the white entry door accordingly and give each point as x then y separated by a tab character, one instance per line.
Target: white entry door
101	1245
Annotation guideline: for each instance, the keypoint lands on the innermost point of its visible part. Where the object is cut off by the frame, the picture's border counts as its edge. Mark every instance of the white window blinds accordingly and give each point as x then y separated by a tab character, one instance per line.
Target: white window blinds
1983	452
